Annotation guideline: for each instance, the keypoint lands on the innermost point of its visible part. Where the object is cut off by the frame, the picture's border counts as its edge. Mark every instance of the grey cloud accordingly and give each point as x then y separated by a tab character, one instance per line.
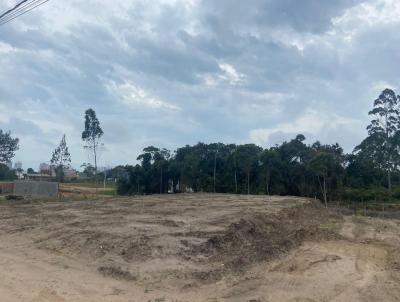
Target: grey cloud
169	50
22	127
305	16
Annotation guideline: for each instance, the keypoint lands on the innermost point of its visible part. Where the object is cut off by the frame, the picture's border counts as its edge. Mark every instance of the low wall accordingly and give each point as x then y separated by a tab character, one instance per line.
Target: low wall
36	188
6	188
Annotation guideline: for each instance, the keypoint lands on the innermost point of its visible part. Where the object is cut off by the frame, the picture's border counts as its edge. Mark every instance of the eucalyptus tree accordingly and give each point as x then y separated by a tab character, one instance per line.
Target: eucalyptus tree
154	162
91	136
217	153
248	156
194	165
161	159
61	158
293	155
382	144
271	163
327	164
320	165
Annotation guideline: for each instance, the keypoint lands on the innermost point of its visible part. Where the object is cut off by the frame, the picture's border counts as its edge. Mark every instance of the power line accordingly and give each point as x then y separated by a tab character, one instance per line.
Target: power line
4	11
16	10
13	8
21	8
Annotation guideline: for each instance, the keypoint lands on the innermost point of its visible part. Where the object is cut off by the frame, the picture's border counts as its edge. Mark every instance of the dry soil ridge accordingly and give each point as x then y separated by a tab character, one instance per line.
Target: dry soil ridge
53	252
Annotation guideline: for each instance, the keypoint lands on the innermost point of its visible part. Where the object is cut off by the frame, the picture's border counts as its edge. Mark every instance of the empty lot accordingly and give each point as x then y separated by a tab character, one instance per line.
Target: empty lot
194	247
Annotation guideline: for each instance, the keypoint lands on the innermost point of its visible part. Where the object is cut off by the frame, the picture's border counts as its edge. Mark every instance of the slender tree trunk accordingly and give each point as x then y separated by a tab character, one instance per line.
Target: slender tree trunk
323	190
215	167
248	183
325	197
389	177
161	180
61	170
236	187
95	165
388	158
267	183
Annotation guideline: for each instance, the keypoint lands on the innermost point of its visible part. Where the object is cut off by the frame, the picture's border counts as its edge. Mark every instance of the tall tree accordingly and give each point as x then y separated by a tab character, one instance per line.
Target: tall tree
320	166
382	142
248	161
161	163
8	146
155	165
326	164
91	136
61	159
271	163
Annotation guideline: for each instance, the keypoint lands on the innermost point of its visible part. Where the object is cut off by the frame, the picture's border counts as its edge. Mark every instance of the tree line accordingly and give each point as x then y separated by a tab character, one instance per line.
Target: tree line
291	168
371	171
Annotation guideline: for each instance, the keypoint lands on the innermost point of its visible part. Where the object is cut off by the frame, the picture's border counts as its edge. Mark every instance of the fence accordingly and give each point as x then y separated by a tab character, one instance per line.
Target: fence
6	188
383	210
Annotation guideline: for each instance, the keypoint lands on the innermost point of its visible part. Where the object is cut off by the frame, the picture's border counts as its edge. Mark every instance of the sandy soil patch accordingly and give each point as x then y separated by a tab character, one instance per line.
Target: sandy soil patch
194	247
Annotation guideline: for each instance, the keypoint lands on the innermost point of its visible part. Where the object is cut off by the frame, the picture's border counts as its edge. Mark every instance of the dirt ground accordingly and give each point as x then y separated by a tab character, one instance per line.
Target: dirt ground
79	191
195	247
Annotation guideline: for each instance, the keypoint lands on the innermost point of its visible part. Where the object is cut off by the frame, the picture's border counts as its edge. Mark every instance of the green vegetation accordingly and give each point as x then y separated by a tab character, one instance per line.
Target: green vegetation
8	146
61	159
6	173
91	136
292	168
370	173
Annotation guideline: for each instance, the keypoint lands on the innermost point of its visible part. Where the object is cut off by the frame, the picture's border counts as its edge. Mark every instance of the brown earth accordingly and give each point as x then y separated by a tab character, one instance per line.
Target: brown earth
195	247
79	191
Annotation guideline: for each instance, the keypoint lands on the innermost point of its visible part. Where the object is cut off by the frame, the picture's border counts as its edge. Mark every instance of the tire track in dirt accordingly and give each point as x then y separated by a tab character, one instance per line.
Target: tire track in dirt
354	269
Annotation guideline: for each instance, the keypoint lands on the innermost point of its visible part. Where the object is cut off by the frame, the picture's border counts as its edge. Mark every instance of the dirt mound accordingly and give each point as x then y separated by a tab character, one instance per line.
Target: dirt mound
99	245
116	273
140	249
132	248
260	237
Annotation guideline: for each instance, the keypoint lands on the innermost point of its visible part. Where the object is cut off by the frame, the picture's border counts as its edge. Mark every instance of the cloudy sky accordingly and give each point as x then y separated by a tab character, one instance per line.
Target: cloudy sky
175	72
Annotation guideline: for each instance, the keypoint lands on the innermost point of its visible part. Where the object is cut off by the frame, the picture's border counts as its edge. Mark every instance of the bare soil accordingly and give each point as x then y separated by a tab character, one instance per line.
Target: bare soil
195	247
79	191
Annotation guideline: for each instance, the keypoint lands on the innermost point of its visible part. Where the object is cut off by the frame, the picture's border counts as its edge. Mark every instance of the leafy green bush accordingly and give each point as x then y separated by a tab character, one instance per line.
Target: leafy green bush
123	187
6	173
368	194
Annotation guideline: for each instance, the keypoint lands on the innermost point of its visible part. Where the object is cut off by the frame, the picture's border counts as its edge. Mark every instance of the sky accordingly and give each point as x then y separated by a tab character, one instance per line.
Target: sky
175	72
